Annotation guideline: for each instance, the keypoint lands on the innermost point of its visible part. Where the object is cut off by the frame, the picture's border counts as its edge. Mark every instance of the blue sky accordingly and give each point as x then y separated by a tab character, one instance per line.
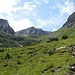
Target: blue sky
48	15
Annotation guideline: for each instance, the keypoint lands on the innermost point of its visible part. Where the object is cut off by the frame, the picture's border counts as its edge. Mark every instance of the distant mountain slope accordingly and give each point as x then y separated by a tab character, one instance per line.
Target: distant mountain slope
71	21
31	31
4	26
7	40
67	29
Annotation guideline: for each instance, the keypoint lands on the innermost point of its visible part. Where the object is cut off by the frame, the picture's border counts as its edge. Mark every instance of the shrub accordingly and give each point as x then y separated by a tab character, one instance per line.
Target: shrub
7	56
18	62
1	50
64	37
52	39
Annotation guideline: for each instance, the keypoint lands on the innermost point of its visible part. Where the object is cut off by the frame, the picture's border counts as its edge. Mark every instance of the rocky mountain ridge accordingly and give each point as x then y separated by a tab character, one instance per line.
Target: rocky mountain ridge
5	27
31	31
70	21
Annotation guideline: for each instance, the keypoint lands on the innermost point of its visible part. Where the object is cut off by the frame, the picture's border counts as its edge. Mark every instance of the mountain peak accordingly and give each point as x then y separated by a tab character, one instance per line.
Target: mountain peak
4	26
70	21
31	31
33	27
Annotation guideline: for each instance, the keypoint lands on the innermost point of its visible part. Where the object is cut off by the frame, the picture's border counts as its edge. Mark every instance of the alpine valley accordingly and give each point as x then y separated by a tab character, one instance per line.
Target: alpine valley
33	51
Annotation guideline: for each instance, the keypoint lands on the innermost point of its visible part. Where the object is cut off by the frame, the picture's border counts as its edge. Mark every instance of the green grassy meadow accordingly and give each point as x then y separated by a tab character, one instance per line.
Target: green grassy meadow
40	59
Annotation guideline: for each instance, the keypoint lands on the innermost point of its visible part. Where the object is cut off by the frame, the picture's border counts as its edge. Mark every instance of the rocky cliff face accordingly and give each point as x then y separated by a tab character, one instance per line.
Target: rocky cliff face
71	21
4	26
31	31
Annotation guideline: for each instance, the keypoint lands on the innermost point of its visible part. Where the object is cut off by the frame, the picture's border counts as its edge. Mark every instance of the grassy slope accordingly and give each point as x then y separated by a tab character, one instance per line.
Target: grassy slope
64	31
40	59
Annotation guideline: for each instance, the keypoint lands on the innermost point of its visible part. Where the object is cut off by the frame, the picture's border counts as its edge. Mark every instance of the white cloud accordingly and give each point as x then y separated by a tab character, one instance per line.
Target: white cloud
29	5
37	2
7	5
41	23
47	1
68	7
21	24
48	24
54	29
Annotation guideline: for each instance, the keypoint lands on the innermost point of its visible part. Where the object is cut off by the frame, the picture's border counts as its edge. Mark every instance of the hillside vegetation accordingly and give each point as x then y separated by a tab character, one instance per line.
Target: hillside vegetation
41	59
7	40
70	32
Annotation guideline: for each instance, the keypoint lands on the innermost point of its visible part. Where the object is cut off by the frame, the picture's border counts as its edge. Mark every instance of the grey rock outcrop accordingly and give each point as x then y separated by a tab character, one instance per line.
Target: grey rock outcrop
71	21
4	26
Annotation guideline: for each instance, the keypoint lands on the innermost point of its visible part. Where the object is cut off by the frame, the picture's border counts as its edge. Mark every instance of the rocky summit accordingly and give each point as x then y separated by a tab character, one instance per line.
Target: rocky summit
4	26
31	31
70	21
